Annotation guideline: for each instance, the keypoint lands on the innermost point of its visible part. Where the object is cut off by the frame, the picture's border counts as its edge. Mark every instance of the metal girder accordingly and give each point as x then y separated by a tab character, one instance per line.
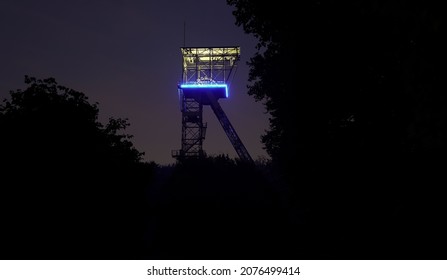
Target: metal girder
205	77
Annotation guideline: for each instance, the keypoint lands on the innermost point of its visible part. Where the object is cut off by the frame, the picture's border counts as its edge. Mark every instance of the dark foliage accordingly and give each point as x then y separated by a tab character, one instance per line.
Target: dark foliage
215	208
71	187
358	124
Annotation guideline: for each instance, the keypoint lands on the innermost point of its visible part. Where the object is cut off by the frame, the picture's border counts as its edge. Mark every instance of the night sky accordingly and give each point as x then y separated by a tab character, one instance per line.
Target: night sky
126	56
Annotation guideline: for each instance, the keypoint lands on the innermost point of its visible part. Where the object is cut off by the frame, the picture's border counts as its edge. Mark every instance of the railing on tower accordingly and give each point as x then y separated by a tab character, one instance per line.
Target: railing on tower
206	73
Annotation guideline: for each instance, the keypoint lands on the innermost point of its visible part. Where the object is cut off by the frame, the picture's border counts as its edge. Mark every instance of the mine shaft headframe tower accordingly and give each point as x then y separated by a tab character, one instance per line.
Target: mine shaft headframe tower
206	73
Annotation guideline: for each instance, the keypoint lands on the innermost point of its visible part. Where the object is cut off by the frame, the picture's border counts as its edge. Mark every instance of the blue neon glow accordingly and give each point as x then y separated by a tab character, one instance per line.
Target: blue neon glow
206	86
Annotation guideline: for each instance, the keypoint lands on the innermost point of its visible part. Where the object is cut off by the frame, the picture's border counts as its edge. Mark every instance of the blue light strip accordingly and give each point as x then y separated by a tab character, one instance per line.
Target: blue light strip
206	86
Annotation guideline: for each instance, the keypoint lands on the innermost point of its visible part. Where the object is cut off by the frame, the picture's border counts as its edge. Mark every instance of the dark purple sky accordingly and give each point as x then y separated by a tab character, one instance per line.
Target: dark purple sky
126	56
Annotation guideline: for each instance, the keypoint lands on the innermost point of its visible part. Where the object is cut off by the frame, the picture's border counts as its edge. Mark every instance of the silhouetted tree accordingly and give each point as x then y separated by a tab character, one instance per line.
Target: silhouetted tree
72	188
327	68
216	208
358	114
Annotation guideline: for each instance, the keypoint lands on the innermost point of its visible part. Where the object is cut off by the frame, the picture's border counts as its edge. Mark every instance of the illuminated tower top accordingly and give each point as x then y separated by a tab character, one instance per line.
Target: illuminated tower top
206	73
208	70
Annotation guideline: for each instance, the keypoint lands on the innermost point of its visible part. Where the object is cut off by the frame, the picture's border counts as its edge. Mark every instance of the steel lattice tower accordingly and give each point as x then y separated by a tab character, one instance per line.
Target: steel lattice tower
205	76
